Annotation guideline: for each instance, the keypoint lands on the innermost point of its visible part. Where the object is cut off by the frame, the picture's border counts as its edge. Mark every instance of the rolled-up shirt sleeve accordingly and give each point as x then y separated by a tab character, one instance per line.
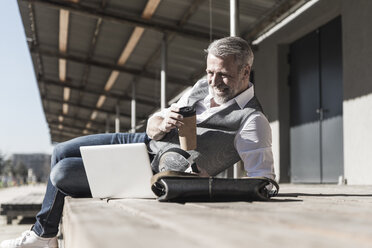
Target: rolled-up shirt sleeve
253	143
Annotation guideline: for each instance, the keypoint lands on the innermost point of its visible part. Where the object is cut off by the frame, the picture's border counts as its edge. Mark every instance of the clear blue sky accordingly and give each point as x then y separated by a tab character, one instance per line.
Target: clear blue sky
23	127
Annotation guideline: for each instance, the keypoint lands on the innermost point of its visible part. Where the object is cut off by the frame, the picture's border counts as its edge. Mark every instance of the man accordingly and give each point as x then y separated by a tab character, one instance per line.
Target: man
230	127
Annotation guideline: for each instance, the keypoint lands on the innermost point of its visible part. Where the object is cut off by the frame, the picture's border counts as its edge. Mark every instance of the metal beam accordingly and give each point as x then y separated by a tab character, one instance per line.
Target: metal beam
92	47
79	128
70	134
112	112
96	92
66	133
93	44
91	62
60	136
169	38
56	123
188	13
97	127
39	69
55	116
126	19
268	20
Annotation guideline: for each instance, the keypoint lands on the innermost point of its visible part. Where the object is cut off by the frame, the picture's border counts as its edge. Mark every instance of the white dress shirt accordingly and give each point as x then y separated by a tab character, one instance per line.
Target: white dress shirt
253	140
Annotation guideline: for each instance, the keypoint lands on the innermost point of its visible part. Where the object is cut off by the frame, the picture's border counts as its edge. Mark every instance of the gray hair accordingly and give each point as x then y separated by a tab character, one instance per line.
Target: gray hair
232	46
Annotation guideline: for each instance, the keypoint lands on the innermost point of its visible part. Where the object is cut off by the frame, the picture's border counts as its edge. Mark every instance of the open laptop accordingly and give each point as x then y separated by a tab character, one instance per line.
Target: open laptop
118	171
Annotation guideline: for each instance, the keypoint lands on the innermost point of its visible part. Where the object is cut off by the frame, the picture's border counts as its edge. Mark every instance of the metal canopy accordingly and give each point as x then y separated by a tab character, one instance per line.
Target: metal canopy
87	54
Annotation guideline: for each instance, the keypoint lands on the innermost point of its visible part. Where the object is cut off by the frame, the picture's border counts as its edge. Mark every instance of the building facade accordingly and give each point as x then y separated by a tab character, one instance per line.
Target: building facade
39	163
314	79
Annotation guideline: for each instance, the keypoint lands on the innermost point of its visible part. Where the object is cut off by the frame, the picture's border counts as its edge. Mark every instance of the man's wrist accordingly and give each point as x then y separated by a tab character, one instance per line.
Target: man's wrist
158	134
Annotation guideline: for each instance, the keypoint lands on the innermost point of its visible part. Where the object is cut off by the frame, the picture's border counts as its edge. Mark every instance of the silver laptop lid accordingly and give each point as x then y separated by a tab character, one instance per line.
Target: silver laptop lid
118	171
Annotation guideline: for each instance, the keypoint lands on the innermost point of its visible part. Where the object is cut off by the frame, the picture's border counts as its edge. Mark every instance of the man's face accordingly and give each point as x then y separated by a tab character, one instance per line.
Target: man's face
224	79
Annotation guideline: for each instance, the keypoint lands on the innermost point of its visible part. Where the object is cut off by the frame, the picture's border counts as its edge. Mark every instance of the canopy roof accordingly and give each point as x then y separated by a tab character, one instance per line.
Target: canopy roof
88	54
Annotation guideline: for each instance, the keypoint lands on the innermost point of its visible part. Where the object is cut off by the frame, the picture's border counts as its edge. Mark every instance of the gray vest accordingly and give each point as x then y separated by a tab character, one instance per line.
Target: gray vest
215	136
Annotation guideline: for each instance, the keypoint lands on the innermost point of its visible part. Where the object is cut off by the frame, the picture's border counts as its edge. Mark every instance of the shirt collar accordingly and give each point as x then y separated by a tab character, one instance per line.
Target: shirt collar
242	99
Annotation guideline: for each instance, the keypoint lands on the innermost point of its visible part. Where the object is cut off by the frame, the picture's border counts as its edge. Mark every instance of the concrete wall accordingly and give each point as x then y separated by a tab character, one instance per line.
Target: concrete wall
267	94
357	106
271	78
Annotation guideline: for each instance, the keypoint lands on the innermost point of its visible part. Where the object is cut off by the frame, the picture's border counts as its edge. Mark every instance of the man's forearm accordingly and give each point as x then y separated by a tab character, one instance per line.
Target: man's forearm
153	128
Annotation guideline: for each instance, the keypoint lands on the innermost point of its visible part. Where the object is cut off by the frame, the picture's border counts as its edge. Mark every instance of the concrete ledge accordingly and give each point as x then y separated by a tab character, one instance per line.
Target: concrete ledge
301	216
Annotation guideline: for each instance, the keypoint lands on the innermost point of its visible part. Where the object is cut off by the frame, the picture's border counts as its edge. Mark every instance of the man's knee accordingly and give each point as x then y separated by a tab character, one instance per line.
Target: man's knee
69	176
63	172
60	150
57	176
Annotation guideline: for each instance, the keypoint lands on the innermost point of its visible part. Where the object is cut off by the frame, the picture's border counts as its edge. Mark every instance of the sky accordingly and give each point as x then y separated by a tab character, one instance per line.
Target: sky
23	127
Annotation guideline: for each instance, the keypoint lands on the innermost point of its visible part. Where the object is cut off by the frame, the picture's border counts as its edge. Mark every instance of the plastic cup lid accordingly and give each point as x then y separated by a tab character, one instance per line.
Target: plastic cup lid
187	111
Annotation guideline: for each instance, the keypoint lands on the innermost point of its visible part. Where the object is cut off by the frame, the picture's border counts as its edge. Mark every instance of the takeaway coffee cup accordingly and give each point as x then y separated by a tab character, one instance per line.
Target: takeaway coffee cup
187	132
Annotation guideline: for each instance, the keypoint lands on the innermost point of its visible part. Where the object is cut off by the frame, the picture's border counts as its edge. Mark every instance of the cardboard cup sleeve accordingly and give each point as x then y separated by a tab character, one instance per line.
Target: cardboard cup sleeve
187	132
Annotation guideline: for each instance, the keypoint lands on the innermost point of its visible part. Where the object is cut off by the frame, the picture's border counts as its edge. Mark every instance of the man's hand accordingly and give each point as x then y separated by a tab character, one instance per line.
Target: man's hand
172	119
158	126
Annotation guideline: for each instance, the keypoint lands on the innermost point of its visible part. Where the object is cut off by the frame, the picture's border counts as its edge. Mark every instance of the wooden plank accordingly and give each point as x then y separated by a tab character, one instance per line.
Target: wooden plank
309	220
94	223
305	216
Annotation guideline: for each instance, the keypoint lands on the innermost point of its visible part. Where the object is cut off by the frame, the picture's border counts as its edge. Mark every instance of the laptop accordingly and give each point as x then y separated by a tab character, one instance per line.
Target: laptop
118	171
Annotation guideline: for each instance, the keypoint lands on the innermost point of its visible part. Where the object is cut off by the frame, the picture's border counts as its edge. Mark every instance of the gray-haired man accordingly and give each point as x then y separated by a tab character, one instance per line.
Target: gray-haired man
230	122
230	127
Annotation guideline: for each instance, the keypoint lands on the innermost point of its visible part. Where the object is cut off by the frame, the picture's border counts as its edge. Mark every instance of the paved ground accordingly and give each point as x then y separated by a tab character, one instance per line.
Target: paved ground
19	225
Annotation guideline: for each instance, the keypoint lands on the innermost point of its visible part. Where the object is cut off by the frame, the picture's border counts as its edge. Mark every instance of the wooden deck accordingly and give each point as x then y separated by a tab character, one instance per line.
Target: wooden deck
300	216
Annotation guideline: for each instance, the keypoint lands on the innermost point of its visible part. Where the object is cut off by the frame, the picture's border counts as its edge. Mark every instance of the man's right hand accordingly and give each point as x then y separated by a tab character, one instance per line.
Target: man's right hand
172	119
158	126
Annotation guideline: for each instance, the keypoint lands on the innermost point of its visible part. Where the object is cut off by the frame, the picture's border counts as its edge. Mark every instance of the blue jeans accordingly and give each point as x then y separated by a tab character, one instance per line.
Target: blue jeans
67	177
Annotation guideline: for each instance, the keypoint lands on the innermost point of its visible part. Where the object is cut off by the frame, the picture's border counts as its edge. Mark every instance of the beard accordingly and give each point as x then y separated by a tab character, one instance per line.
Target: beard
221	94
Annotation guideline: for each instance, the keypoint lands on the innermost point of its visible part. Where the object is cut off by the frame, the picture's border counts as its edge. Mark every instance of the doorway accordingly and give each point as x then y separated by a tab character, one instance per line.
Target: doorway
316	95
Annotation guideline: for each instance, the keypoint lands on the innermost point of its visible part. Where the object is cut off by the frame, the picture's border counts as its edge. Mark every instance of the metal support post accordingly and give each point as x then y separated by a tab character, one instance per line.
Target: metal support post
107	123
117	118
133	108
163	74
238	169
234	17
